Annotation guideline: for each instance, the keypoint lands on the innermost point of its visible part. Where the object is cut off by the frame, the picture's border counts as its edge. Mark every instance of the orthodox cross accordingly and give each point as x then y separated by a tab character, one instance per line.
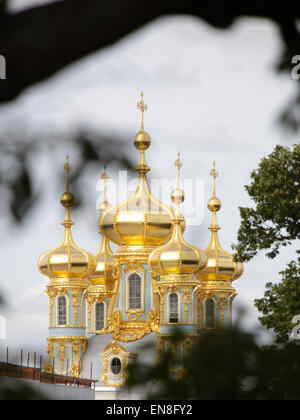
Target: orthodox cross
105	178
142	107
67	168
214	175
178	165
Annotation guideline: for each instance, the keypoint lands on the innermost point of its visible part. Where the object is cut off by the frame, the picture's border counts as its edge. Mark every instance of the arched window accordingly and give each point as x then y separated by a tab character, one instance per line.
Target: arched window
99	316
62	310
116	366
173	307
209	313
135	292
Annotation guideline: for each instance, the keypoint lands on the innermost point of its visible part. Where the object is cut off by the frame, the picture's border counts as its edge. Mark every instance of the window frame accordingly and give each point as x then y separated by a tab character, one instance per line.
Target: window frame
214	317
140	310
103	303
169	308
58	299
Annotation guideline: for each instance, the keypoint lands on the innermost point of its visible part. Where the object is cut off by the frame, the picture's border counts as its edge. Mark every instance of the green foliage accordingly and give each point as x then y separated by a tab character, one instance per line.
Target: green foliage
274	222
281	302
222	365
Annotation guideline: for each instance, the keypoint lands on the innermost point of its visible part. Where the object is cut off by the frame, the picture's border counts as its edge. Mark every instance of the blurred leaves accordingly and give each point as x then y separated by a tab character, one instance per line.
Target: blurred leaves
41	40
221	365
17	178
14	391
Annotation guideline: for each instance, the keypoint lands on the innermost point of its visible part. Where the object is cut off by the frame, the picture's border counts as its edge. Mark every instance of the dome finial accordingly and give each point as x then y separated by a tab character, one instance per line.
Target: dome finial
105	178
142	107
178	165
142	140
214	204
178	194
214	174
67	199
67	168
220	266
104	205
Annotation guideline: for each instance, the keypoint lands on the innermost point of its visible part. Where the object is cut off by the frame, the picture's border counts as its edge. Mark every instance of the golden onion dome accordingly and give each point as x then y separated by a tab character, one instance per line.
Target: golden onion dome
220	264
177	256
141	222
67	261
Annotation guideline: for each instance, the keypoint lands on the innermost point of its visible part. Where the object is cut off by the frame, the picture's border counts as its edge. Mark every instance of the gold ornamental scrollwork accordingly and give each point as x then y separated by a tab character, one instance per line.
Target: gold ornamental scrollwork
61	291
90	302
223	303
75	302
61	353
186	300
132	330
133	266
51	295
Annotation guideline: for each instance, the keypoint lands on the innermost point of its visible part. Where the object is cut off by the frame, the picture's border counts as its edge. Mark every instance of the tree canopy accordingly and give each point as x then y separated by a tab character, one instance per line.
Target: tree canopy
275	191
281	302
272	223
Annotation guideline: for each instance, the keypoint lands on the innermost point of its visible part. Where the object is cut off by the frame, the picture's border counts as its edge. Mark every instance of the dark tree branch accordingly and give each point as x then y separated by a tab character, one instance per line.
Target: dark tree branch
41	41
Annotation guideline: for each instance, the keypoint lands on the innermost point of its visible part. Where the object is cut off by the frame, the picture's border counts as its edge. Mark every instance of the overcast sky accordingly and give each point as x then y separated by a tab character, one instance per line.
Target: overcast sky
212	94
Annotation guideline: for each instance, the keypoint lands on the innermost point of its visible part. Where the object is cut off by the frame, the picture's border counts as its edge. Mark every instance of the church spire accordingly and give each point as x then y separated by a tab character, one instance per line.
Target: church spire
214	204
67	199
142	107
178	194
142	140
104	205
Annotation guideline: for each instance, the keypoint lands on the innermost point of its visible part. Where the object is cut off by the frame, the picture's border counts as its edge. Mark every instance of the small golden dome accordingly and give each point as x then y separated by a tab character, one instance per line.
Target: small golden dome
177	256
141	222
220	264
103	274
67	261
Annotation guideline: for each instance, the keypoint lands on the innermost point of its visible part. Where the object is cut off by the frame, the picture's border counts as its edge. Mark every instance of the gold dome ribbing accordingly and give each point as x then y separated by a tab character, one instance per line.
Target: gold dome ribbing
177	256
220	264
67	261
141	222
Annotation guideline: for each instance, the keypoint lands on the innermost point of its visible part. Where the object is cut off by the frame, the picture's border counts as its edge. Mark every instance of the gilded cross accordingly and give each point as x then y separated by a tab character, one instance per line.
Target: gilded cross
214	175
67	168
178	165
142	107
105	178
